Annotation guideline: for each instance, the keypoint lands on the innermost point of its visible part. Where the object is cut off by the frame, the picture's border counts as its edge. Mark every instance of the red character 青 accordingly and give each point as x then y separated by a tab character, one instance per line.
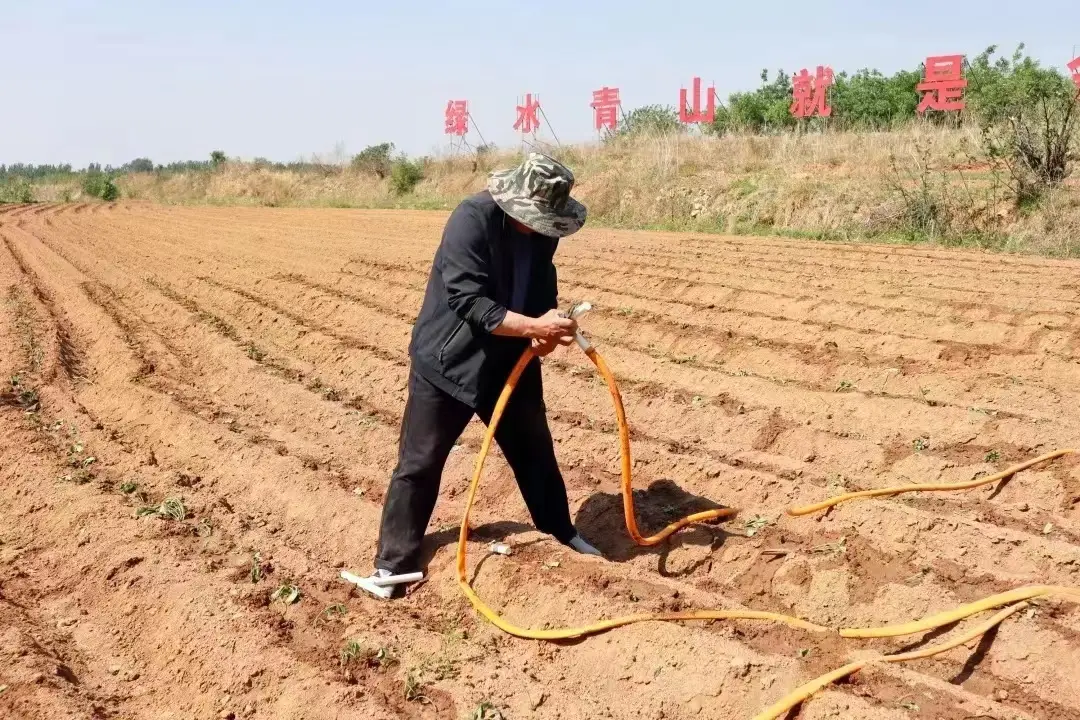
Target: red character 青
605	107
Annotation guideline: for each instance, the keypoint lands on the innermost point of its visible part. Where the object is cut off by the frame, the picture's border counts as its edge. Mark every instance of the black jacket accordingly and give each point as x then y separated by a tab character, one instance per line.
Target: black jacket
467	293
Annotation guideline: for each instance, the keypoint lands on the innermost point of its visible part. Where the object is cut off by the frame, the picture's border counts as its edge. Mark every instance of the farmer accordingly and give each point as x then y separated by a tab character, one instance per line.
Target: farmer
491	293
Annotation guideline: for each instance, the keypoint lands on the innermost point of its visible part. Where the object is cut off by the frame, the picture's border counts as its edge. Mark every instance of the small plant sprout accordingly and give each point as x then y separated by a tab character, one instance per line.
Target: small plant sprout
414	688
128	487
921	443
385	658
169	509
755	524
844	386
256	572
486	711
838	547
992	456
332	611
80	476
26	396
255	352
287	594
351	652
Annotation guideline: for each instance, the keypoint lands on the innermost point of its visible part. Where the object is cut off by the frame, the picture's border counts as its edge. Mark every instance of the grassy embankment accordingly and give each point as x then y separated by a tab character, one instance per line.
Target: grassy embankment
920	184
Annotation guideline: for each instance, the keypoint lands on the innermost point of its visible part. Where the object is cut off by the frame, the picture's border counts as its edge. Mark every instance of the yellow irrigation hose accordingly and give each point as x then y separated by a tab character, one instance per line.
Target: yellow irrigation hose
624	457
951	616
628	508
928	487
804	692
1014	598
977	631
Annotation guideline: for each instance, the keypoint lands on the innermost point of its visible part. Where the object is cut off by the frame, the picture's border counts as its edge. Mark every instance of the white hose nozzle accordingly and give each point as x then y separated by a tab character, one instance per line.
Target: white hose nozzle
576	311
579	309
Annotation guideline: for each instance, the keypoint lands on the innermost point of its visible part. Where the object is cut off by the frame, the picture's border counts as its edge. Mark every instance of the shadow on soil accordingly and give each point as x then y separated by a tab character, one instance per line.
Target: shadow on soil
490	532
600	520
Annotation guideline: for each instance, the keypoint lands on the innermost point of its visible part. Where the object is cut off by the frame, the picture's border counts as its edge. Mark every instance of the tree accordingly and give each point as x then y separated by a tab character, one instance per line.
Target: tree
870	100
217	158
374	160
139	165
406	174
999	89
649	119
762	110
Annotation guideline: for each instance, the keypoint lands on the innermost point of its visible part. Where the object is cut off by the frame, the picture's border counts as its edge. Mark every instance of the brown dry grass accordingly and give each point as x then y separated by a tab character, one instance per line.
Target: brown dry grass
839	186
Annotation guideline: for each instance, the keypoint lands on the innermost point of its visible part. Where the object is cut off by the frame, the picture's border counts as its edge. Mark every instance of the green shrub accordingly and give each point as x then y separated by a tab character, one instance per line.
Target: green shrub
17	189
374	160
649	119
1030	117
405	175
94	184
100	185
138	165
109	191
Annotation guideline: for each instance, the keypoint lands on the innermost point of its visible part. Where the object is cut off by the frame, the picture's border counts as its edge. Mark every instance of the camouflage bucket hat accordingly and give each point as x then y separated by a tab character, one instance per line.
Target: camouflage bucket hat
537	194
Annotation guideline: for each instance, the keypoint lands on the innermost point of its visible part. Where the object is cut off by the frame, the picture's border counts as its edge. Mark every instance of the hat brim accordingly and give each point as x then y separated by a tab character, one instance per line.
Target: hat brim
536	216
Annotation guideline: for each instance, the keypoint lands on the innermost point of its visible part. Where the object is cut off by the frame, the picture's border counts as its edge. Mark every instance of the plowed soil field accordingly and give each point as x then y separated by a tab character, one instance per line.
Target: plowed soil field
252	364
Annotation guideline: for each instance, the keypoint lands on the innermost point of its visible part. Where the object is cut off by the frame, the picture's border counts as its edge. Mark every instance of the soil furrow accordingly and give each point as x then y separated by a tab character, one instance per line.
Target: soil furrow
252	362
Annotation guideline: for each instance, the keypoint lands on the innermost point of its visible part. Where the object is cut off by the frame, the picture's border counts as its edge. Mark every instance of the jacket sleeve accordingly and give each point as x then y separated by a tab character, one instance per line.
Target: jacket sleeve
553	285
466	269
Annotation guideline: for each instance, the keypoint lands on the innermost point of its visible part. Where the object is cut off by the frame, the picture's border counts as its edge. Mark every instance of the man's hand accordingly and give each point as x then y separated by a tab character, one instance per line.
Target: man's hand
543	348
553	327
550	327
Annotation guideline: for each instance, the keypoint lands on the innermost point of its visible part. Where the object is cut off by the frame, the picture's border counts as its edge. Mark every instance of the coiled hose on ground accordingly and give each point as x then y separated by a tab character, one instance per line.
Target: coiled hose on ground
1014	600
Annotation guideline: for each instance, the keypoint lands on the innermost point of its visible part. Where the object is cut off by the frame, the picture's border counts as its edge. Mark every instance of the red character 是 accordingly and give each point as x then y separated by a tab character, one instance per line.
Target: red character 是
943	84
457	117
527	119
605	105
1074	66
696	115
809	94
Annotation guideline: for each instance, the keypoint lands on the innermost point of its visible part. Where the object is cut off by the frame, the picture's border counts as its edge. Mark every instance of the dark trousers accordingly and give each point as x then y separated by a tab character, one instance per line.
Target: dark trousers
432	423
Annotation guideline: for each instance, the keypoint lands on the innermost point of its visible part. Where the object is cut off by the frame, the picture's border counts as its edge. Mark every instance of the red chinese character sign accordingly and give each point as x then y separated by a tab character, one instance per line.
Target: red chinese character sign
527	119
605	105
809	93
457	118
943	84
1074	67
696	115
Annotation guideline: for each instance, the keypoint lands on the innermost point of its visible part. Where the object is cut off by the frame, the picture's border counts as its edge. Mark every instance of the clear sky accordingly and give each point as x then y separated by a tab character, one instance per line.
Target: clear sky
108	81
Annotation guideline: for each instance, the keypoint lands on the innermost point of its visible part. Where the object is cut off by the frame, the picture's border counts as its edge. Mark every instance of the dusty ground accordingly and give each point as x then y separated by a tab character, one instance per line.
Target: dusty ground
251	362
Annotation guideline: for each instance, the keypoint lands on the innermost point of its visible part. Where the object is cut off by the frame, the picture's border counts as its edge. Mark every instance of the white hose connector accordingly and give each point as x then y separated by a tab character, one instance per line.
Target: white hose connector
381	585
577	311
